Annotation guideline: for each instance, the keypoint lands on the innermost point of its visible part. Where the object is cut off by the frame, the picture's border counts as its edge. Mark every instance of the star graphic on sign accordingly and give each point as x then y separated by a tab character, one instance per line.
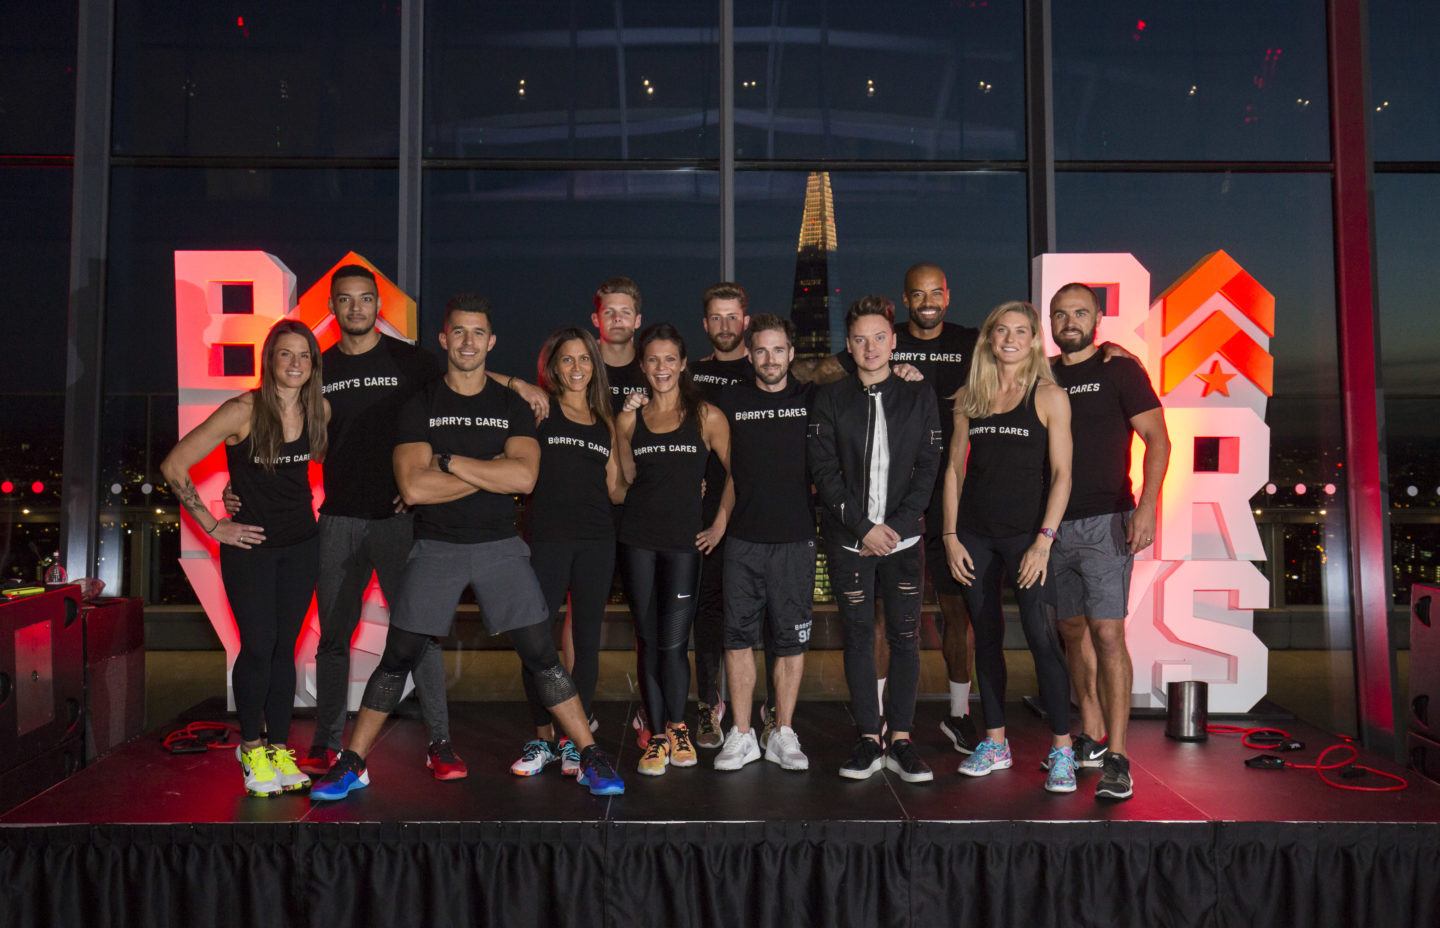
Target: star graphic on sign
1216	380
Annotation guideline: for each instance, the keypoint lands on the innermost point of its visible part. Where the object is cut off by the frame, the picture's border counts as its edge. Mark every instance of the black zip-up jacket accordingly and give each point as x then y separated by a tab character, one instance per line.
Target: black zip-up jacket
841	422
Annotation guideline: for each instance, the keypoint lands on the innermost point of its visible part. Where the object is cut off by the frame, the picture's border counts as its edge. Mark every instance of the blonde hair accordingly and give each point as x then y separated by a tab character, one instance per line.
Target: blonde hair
984	380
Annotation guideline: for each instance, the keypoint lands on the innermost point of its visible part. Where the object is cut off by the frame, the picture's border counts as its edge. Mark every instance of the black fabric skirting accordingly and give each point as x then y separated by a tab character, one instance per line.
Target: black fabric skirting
917	873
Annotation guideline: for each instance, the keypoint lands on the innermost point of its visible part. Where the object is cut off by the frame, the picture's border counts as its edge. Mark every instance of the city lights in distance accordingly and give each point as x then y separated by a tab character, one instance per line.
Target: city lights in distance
749	85
985	86
521	90
649	87
1193	90
1384	105
869	86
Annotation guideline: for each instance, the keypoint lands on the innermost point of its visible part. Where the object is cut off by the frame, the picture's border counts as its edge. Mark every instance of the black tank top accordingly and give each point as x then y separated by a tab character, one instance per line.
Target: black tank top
662	509
280	502
1007	475
570	499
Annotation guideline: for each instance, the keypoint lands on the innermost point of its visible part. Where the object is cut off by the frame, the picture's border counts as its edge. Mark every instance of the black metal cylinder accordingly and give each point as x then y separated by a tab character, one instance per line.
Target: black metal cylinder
1187	710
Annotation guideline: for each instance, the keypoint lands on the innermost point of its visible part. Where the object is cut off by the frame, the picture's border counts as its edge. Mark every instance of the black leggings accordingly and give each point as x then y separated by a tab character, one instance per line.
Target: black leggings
662	586
269	591
997	559
584	567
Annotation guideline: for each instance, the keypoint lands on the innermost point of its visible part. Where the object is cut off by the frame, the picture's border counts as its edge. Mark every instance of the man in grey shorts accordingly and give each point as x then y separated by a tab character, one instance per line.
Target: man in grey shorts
1103	528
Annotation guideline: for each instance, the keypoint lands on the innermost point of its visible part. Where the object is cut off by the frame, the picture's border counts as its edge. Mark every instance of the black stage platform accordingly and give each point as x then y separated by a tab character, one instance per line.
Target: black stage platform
143	837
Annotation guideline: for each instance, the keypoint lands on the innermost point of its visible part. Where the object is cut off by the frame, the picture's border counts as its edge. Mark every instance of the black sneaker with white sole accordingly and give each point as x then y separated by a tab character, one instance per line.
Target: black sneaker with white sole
866	760
1114	778
1088	752
904	761
960	729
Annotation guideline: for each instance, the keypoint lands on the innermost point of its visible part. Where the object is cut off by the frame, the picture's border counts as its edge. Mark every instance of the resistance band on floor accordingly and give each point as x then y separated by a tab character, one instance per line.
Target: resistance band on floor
1275	739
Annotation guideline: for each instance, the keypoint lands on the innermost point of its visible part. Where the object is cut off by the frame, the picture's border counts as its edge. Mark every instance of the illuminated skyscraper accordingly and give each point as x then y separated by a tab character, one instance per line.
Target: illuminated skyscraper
815	306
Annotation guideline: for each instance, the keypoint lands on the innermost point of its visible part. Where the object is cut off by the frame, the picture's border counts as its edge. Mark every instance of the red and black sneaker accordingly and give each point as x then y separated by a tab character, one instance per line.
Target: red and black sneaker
444	762
317	761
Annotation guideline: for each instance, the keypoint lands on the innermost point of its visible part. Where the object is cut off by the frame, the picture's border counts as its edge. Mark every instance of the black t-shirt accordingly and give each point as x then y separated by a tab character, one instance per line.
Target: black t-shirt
713	376
570	498
773	504
280	501
366	393
1104	397
624	381
473	427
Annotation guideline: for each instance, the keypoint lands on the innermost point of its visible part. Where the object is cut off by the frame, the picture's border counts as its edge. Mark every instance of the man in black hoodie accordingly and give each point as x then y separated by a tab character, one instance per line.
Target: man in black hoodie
875	448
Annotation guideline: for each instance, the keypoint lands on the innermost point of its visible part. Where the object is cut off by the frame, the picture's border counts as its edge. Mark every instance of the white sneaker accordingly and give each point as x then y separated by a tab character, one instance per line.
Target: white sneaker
537	755
740	749
260	777
784	749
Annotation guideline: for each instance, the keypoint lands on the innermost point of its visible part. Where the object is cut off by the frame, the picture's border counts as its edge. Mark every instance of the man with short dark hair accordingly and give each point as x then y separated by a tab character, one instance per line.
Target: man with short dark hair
769	578
1103	528
616	319
874	452
465	448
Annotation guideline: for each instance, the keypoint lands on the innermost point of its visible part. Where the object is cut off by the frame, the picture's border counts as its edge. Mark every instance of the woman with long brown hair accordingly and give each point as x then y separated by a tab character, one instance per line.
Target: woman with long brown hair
269	552
571	533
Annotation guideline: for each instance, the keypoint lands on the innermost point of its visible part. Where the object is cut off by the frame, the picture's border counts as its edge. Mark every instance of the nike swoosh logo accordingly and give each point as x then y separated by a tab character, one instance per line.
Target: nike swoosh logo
1096	755
682	595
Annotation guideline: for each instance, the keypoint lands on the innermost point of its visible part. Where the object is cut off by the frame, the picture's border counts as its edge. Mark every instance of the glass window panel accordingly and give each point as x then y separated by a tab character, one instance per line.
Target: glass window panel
1169	222
35	264
570	79
849	80
1404	85
1191	80
266	78
37	78
308	218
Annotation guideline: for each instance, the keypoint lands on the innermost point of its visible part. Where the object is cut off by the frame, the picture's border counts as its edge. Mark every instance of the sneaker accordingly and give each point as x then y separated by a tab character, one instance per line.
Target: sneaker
656	757
569	758
347	775
1061	776
1089	752
740	749
444	763
707	731
261	780
988	756
682	749
641	724
535	757
904	761
960	729
784	749
767	727
597	772
1115	778
283	760
317	760
865	760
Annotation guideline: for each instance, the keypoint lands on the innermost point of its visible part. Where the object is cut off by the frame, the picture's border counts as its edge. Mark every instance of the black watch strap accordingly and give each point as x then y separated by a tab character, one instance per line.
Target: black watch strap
444	462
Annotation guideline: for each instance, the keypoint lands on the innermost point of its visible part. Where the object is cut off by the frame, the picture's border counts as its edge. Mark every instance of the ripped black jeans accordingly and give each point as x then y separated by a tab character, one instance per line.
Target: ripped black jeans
855	580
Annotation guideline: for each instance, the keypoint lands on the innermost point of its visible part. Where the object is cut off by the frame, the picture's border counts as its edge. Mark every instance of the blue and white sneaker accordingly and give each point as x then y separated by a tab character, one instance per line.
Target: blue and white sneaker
988	757
597	772
1061	776
537	755
569	758
347	775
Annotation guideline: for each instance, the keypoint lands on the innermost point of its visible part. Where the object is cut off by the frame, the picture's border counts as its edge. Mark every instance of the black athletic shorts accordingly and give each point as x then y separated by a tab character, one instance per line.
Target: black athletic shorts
773	584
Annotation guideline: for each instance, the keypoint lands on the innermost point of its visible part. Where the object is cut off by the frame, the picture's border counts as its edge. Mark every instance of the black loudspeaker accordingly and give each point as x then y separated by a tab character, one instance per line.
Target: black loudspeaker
114	673
1425	661
1424	756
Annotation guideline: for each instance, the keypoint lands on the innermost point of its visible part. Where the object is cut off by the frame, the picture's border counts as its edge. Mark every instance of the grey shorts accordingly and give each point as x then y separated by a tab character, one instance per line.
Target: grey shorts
769	585
1090	566
438	572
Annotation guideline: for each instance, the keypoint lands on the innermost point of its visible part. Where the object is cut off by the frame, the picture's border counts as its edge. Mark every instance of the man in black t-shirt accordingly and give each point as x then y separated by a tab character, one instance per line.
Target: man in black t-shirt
464	447
1103	527
723	314
769	576
616	319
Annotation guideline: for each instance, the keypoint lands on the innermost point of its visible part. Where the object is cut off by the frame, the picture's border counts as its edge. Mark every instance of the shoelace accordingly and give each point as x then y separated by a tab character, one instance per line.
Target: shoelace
446	751
682	739
258	760
284	760
533	750
1062	764
600	765
656	748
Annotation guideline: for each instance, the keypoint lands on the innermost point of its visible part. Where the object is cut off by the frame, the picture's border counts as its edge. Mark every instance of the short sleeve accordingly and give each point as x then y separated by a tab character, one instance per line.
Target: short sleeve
1136	394
414	422
521	416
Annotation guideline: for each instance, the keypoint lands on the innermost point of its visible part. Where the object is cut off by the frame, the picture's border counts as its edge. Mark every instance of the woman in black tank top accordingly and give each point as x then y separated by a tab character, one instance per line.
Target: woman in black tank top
571	533
269	552
1006	484
664	442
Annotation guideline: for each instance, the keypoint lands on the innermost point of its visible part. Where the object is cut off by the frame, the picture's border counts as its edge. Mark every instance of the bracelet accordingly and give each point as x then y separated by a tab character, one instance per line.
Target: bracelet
510	384
211	530
943	534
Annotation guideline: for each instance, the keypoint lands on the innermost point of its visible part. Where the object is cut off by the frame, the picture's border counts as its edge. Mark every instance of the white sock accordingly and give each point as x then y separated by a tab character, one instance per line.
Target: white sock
959	698
880	694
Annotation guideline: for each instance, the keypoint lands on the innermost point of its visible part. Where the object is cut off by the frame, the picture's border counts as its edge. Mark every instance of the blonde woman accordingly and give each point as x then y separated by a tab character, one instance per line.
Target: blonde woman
1006	484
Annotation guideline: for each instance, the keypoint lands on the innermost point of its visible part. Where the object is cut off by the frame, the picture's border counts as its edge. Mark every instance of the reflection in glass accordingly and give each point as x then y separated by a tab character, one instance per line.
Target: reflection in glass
1191	81
1404	86
847	80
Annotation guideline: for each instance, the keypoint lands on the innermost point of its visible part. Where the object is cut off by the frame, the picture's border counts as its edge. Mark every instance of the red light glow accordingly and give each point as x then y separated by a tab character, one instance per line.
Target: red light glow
37	487
7	487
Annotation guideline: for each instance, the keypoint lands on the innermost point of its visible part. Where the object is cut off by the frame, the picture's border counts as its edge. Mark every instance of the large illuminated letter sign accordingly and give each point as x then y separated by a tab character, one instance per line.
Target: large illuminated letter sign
225	303
1205	343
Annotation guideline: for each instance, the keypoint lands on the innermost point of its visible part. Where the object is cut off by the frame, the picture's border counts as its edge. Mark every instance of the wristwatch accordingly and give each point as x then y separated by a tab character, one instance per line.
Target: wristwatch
444	462
1049	533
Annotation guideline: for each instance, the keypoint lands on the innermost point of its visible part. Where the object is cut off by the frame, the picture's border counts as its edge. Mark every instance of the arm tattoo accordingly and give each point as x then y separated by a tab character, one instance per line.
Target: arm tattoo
190	499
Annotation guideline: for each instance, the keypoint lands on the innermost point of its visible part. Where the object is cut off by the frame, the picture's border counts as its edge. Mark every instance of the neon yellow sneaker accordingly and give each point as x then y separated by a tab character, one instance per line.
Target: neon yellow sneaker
292	778
260	777
656	757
